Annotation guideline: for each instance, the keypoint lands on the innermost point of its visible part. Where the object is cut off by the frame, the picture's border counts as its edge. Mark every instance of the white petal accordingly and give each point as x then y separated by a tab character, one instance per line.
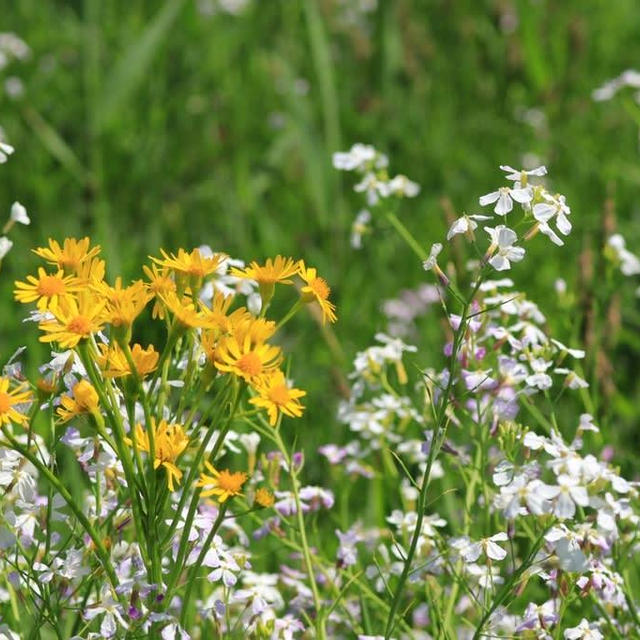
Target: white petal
461	225
494	551
521	195
489	198
472	552
580	496
565	507
499	263
543	212
563	224
504	204
506	236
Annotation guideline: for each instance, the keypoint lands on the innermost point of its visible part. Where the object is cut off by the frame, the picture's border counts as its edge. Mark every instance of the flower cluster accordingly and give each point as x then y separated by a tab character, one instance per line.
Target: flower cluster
371	167
148	426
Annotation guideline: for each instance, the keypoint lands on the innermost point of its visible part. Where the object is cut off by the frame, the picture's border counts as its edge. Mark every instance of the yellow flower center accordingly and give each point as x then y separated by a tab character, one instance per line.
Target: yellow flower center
231	482
250	364
320	287
279	394
5	402
80	325
50	286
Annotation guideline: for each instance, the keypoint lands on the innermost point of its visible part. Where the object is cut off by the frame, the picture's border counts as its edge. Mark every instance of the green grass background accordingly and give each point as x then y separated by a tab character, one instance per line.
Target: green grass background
147	124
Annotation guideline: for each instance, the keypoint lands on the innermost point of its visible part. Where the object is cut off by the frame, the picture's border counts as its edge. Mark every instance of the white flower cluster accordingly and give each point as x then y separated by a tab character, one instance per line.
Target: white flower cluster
537	204
371	166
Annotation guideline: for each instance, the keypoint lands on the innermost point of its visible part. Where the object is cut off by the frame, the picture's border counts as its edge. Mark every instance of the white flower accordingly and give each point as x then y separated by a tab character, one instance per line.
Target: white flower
5	246
569	494
554	207
465	224
573	380
517	175
358	158
5	151
372	187
19	214
504	198
502	240
359	228
492	550
629	263
432	261
628	78
520	493
401	186
566	545
584	631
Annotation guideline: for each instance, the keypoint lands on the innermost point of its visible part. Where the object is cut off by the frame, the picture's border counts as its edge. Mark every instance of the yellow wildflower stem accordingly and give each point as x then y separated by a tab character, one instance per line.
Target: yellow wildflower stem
123	453
153	547
292	312
182	548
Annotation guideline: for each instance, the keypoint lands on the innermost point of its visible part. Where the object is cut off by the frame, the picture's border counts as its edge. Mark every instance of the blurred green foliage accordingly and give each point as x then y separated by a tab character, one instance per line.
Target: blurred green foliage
155	124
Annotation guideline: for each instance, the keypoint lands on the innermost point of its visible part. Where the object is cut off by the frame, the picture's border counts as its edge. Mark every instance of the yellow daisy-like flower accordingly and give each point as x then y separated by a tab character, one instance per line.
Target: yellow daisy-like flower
85	400
75	320
189	264
245	359
279	269
160	284
264	498
218	317
91	272
47	288
222	484
170	442
70	256
124	304
9	399
185	312
276	396
317	290
113	363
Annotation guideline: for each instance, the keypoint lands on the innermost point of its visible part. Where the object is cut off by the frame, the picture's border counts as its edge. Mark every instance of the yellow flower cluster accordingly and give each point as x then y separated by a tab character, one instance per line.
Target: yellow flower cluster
81	310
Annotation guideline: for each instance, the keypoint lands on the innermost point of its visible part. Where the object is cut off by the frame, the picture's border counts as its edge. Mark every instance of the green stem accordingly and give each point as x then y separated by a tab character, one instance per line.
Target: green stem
295	486
436	442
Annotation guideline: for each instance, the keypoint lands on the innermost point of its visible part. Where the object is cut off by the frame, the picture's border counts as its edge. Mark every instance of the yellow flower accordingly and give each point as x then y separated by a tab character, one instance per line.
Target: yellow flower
47	288
223	484
124	304
317	290
113	363
85	400
245	359
185	312
70	256
267	275
264	498
91	272
276	396
160	284
170	442
218	317
190	268
8	400
75	320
